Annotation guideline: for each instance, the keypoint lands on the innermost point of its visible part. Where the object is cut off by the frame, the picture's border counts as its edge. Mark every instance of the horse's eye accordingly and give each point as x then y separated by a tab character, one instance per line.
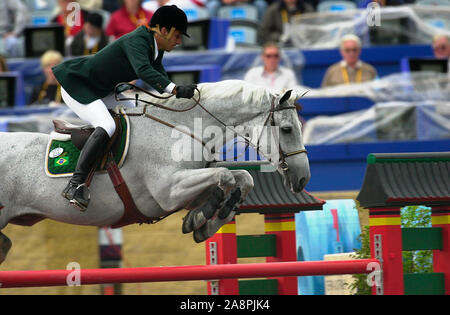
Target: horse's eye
286	129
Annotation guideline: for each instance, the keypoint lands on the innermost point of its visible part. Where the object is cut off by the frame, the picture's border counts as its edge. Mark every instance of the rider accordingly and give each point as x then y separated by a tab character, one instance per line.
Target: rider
88	81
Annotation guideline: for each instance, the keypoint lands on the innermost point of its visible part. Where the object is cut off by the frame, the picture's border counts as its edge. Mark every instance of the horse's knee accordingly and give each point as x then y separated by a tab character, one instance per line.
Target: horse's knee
226	180
244	181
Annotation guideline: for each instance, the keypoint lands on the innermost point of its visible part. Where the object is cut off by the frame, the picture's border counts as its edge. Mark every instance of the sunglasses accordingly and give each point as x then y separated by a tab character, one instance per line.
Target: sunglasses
348	50
441	47
272	56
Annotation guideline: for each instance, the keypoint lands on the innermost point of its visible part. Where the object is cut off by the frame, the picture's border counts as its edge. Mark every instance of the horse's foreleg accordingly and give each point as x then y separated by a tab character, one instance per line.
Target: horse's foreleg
244	184
203	189
5	246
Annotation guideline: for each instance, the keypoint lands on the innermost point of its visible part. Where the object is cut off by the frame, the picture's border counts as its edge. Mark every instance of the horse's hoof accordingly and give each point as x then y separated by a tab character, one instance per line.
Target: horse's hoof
230	204
193	221
199	235
186	227
5	246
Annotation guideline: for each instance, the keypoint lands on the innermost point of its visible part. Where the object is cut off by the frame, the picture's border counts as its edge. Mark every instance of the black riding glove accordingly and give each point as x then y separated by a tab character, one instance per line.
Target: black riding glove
186	91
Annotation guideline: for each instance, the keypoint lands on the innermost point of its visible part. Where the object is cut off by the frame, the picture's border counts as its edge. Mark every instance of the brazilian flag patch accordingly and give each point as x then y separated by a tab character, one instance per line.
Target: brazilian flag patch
61	161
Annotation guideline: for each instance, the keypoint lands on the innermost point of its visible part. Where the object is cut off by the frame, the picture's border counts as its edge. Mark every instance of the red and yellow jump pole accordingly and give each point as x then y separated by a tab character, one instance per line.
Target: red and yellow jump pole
43	278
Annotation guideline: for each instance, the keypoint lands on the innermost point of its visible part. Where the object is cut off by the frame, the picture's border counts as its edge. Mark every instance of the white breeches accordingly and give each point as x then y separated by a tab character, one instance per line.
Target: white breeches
96	113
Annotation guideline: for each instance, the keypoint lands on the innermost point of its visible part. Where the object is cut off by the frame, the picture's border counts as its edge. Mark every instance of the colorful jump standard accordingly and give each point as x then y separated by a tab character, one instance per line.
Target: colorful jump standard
282	226
391	182
440	218
386	241
222	249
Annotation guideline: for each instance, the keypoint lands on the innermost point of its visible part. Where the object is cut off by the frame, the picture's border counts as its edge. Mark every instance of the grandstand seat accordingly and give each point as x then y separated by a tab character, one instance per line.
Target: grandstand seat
244	34
194	14
241	12
40	5
333	6
41	11
244	23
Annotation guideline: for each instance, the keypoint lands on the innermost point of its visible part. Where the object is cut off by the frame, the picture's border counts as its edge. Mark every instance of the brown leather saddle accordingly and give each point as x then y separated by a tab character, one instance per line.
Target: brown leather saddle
79	135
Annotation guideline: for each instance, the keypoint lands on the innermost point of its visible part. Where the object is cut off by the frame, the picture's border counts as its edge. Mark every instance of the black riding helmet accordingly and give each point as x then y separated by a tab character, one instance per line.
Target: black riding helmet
169	16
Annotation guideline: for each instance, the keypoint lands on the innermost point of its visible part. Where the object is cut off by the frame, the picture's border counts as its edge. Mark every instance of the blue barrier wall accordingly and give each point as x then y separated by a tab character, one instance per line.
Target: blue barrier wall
316	106
341	166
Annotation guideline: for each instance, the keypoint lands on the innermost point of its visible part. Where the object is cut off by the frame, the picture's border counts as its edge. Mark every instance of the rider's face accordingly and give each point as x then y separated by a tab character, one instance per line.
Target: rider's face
173	41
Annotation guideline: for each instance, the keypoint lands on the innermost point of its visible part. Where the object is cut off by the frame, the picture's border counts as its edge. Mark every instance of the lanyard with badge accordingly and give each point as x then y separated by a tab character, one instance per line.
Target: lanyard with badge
346	77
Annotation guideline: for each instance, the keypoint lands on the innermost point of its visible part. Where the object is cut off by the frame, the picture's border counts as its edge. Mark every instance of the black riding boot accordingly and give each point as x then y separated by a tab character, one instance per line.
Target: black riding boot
76	191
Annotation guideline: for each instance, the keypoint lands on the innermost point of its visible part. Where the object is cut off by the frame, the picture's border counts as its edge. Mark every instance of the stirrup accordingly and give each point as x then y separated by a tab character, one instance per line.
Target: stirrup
76	203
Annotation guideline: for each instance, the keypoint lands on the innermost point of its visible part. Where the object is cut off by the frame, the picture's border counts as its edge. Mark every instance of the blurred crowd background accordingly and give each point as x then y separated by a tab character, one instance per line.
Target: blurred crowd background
381	50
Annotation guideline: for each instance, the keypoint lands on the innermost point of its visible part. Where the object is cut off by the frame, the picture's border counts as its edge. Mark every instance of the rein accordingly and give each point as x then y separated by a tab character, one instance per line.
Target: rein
270	119
145	114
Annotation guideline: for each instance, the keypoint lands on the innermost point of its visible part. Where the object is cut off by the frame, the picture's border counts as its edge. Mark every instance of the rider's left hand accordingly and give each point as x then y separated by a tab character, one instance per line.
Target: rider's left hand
185	91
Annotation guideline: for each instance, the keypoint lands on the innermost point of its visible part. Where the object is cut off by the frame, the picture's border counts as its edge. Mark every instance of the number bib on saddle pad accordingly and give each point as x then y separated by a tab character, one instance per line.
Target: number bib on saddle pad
62	155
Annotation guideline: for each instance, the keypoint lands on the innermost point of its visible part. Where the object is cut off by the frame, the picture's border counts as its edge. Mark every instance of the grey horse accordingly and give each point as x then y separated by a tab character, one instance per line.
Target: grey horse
161	176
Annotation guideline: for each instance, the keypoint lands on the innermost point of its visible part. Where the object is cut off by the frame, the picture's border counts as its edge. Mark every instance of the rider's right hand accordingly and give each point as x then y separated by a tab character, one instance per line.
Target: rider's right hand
185	91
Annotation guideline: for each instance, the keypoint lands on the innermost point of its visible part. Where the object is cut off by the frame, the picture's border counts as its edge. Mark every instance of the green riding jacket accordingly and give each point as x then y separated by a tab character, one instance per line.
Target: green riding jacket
131	57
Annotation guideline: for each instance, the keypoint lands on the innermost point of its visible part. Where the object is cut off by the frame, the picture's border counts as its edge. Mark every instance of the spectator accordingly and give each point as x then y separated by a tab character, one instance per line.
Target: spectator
441	46
129	17
214	5
13	18
49	92
271	74
350	69
278	15
3	64
69	18
91	39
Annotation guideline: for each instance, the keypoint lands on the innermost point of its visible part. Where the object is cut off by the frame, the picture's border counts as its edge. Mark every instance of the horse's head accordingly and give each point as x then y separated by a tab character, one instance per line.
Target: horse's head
293	160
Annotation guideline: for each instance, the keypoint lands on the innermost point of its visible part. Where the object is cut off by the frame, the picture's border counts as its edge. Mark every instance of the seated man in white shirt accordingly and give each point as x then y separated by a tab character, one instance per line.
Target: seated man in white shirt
271	74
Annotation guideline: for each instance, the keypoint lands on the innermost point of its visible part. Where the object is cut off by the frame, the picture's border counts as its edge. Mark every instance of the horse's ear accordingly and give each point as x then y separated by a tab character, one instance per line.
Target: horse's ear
285	96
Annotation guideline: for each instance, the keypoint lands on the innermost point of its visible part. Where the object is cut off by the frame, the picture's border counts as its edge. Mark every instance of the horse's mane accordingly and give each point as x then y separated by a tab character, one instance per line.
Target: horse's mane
227	89
224	90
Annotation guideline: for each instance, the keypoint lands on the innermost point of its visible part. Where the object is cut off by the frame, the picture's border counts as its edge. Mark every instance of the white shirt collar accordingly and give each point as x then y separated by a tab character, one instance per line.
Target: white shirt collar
156	49
277	71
